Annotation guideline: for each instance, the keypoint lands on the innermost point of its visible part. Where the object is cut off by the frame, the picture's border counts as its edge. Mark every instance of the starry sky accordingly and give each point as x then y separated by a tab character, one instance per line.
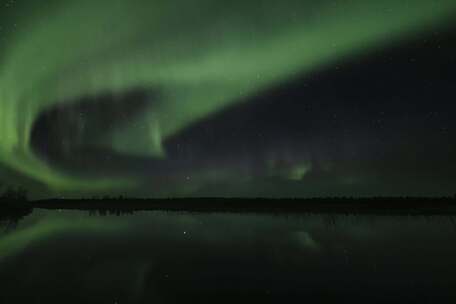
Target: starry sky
292	98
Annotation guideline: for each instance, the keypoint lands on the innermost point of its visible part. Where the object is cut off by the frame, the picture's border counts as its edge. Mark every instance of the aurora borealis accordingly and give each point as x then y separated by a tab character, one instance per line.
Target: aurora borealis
224	98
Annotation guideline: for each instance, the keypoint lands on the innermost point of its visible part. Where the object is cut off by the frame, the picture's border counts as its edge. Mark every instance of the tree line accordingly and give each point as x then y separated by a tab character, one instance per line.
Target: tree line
10	193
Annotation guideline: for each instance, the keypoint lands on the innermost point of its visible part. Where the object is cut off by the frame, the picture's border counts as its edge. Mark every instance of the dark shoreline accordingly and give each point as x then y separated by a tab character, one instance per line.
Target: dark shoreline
374	206
384	205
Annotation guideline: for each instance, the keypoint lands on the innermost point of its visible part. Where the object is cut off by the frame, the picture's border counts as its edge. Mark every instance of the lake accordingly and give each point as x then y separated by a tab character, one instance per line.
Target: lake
176	257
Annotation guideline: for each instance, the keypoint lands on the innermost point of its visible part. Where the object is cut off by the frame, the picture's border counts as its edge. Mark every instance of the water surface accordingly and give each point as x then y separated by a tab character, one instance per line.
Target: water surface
177	257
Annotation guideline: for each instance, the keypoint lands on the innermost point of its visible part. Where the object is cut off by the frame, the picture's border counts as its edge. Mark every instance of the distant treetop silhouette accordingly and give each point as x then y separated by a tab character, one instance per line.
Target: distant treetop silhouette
16	194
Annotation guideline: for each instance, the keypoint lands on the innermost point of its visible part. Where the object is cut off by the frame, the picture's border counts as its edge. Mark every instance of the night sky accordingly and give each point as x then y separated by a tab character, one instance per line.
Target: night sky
293	98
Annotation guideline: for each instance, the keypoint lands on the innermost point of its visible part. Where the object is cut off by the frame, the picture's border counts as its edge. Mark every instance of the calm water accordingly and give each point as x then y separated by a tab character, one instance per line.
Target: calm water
160	257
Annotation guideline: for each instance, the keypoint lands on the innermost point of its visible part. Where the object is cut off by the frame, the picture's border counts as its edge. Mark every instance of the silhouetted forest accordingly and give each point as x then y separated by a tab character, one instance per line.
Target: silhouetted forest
13	194
331	205
13	205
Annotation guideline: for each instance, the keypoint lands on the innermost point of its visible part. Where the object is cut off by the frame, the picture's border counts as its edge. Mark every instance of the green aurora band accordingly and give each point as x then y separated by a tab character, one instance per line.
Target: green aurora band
202	56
